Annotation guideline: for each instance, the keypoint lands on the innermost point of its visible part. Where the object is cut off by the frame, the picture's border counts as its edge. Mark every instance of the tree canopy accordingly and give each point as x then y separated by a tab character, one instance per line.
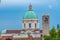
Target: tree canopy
53	34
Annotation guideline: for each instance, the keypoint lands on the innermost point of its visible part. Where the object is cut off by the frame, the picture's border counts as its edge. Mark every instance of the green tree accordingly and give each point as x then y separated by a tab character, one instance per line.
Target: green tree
46	37
58	34
58	26
53	33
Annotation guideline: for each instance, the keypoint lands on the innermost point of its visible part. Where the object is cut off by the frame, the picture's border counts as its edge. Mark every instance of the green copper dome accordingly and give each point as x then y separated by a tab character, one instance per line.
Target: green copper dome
30	15
3	31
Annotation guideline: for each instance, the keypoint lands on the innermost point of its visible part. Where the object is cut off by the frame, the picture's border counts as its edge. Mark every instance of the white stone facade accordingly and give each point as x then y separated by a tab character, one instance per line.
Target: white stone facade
23	35
34	24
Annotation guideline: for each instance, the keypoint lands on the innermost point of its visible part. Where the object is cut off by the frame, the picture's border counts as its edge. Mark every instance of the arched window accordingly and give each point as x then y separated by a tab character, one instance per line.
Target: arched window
29	25
35	25
24	25
41	35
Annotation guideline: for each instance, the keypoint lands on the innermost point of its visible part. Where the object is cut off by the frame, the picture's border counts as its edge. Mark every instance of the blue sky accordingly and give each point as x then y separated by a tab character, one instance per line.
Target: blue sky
12	12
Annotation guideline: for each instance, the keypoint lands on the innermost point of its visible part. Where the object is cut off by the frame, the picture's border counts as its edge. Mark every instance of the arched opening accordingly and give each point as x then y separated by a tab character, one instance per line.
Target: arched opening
41	35
35	25
8	39
29	25
24	25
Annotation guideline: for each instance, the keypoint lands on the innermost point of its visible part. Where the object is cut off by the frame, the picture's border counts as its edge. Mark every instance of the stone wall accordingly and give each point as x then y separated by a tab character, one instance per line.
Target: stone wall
30	38
21	39
36	38
0	38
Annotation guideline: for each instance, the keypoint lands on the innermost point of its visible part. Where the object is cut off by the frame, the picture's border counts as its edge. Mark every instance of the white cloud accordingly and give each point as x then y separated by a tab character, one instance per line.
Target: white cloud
10	2
50	6
24	2
14	2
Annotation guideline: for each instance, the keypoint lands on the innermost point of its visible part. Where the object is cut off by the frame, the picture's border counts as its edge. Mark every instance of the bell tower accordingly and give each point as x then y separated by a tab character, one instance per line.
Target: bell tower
45	24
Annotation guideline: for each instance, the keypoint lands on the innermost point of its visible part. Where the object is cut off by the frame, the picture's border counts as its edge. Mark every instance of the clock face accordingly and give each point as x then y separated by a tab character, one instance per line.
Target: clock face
45	19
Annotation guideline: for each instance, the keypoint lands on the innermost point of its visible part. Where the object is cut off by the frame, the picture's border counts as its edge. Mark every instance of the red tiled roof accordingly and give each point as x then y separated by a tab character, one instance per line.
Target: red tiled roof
13	31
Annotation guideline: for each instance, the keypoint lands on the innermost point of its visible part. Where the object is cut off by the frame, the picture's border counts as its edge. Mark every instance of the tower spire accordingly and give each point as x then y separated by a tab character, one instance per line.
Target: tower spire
30	7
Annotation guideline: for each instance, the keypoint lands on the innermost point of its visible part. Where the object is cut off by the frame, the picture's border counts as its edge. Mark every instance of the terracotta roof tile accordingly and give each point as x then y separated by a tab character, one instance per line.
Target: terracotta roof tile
13	31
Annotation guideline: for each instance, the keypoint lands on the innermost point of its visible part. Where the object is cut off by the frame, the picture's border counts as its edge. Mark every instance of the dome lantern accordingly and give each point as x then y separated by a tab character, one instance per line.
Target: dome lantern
30	14
30	7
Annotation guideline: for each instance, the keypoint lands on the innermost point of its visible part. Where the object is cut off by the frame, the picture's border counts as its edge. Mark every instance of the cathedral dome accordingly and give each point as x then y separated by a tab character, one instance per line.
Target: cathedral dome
3	31
30	15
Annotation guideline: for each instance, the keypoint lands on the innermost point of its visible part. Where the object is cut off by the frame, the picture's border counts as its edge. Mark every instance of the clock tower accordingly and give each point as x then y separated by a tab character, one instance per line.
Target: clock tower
45	24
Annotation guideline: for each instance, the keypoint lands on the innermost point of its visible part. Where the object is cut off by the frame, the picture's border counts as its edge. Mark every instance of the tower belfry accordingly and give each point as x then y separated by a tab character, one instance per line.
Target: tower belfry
45	24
